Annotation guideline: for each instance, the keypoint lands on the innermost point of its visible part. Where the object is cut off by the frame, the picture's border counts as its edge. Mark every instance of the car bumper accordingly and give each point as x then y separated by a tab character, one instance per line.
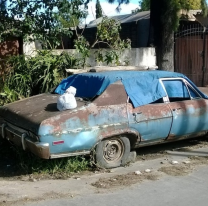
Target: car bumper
21	138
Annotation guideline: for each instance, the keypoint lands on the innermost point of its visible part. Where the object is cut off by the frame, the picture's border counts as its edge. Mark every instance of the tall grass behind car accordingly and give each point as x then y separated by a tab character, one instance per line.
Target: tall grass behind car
26	76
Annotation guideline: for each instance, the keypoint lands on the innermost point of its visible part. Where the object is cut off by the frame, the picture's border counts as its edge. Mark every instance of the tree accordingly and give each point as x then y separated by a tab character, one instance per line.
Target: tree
99	12
164	20
107	33
184	4
38	19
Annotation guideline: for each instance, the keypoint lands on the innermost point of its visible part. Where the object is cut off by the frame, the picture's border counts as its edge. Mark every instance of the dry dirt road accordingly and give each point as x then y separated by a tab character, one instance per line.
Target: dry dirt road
169	174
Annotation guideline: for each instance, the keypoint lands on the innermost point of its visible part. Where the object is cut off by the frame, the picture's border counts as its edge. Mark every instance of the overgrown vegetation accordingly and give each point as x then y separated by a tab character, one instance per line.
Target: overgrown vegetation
14	161
144	5
107	34
43	20
28	76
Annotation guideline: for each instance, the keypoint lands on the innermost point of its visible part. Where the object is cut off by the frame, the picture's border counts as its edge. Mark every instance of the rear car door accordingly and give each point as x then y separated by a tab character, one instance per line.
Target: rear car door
189	109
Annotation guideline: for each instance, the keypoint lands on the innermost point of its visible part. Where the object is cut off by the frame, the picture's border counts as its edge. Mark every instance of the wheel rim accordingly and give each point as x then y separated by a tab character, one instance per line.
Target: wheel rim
113	150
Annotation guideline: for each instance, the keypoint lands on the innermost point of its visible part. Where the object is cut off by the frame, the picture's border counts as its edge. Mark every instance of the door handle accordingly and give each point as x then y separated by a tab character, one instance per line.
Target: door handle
135	114
175	109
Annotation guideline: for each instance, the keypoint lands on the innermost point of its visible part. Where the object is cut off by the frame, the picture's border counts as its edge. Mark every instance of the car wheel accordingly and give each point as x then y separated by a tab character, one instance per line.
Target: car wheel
112	152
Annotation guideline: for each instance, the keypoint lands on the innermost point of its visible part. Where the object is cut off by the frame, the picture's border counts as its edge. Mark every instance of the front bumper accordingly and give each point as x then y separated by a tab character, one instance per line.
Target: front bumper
21	138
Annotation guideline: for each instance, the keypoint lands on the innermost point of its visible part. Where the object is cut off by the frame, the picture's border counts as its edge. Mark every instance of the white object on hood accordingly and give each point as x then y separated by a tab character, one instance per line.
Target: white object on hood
67	100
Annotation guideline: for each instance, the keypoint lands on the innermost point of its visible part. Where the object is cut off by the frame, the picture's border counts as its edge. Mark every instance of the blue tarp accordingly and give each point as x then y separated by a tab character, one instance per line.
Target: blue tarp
171	86
142	87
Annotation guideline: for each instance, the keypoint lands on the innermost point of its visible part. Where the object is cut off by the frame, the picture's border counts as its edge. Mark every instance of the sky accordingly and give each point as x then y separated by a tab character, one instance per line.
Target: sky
110	9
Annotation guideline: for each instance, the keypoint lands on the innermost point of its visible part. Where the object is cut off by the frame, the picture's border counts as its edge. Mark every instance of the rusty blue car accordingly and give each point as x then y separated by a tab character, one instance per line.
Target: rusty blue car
117	112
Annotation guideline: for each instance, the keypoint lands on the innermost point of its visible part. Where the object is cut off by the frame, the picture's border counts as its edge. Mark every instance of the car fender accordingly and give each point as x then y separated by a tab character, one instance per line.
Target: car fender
131	133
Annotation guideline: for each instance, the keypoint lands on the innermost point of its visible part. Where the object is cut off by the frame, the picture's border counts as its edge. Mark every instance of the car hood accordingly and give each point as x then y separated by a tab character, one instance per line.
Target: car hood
30	112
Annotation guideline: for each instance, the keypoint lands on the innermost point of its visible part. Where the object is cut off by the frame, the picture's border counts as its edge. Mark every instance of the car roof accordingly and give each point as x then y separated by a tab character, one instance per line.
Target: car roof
125	74
142	87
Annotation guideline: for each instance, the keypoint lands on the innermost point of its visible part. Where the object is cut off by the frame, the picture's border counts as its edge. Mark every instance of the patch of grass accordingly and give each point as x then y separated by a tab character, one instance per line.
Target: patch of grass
16	162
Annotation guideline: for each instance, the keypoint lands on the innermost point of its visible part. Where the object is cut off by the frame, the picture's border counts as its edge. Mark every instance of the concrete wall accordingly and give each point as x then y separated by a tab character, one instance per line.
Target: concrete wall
138	57
30	48
144	57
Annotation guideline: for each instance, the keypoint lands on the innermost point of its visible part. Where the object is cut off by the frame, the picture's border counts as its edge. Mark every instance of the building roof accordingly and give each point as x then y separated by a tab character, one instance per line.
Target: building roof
123	18
127	18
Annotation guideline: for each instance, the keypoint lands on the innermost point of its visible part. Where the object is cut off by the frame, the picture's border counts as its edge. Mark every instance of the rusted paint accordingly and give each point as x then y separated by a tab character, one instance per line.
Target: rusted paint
150	111
85	119
115	132
190	116
152	121
115	94
171	136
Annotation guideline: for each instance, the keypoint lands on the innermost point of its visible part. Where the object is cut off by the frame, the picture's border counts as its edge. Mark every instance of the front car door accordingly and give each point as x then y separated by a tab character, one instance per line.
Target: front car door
152	121
189	109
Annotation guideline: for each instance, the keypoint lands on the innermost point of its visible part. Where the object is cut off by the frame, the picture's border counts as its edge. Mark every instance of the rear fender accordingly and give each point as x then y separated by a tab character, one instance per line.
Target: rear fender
132	134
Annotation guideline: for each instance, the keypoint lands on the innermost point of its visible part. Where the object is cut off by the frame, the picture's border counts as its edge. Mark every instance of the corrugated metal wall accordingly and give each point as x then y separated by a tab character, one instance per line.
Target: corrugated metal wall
189	52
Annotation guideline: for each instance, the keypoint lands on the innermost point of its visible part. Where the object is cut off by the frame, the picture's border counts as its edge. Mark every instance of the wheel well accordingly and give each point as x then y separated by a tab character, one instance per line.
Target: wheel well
132	138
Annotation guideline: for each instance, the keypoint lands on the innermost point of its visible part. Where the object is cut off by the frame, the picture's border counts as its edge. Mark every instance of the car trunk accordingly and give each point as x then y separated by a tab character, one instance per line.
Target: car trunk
29	113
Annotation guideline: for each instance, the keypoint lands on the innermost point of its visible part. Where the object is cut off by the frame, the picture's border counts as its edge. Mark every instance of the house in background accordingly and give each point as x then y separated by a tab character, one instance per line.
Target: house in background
133	26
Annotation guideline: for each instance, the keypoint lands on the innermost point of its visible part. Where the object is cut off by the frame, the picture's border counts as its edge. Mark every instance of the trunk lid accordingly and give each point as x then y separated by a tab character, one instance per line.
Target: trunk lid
30	112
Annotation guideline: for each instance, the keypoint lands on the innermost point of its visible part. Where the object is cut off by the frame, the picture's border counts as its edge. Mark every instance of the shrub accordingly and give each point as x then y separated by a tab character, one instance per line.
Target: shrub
28	76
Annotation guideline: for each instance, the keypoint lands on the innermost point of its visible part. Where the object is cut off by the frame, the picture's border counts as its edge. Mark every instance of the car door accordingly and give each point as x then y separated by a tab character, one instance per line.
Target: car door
189	109
152	121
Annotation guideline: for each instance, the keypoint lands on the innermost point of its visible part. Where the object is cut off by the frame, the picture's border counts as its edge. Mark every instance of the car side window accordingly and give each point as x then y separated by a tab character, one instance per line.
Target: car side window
177	90
193	93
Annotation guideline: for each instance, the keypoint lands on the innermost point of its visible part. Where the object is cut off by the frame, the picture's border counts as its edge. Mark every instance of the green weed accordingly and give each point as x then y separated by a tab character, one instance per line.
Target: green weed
23	163
28	76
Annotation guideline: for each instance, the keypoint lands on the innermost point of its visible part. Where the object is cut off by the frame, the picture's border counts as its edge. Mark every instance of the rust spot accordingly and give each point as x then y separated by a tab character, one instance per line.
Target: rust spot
112	131
171	136
115	94
150	111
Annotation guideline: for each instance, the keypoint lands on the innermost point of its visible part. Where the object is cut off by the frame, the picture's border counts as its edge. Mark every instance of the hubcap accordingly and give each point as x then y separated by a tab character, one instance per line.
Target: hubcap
113	150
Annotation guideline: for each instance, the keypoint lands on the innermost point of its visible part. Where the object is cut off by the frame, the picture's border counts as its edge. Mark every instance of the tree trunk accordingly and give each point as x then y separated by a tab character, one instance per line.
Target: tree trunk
163	19
165	56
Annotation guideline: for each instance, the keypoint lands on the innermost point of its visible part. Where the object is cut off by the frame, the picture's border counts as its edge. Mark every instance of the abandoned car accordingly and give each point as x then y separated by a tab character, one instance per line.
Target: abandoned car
117	111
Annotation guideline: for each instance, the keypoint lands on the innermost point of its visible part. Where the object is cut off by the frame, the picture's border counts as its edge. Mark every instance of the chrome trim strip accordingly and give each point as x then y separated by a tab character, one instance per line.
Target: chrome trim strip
13	132
42	144
52	156
3	130
23	136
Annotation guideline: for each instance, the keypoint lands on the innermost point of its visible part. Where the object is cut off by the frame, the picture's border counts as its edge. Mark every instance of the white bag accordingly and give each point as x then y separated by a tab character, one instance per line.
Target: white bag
67	100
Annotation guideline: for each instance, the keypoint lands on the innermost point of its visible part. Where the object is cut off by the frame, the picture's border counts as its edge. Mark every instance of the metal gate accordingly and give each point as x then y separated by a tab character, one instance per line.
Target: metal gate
191	52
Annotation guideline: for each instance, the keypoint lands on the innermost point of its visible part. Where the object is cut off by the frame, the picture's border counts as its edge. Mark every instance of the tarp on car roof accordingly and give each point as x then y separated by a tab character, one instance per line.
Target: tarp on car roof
142	87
